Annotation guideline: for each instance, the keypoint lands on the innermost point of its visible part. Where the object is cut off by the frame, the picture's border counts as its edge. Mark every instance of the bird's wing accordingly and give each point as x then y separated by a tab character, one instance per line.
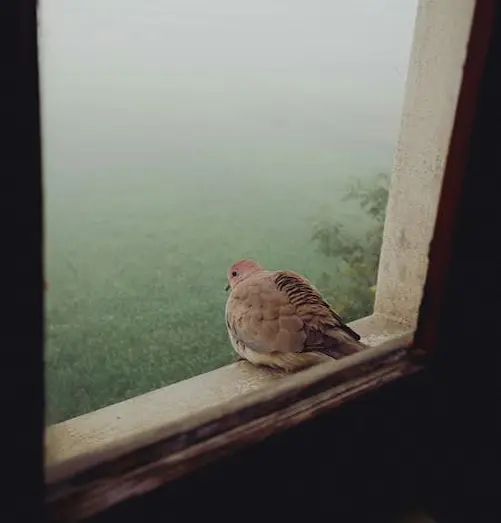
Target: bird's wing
324	328
309	302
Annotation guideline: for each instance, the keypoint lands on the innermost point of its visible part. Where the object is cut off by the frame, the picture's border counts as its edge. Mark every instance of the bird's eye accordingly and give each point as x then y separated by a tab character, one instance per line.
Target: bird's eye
234	273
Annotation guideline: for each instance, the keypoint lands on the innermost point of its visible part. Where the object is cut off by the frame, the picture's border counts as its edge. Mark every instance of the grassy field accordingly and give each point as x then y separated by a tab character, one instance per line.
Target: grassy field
136	267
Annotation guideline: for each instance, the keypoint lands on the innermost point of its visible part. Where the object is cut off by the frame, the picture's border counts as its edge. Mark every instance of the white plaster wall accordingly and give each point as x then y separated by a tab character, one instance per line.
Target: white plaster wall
434	77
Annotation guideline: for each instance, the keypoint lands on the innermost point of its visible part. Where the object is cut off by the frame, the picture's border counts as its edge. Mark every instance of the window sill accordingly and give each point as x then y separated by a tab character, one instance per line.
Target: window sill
101	458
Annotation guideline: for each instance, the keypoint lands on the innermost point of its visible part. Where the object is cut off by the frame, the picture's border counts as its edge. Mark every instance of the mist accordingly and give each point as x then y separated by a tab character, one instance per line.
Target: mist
180	136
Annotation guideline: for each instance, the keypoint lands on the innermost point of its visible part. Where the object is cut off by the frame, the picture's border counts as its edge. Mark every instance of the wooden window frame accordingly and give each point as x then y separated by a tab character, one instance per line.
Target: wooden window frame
89	483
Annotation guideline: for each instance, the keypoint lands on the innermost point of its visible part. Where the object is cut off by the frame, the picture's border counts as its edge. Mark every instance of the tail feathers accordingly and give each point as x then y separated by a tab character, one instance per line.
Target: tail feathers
350	331
337	344
341	351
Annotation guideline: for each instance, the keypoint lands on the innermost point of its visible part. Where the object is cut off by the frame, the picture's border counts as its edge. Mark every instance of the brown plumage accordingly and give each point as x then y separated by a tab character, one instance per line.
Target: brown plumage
278	319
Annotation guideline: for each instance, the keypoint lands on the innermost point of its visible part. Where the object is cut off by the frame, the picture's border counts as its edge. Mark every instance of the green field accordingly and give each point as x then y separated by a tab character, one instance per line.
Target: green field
136	267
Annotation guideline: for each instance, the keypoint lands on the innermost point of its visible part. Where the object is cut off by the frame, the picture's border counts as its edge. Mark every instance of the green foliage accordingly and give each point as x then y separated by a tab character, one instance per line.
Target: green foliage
351	286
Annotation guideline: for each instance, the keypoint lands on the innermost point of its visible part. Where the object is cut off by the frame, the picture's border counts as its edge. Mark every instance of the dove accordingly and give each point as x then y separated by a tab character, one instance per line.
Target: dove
279	319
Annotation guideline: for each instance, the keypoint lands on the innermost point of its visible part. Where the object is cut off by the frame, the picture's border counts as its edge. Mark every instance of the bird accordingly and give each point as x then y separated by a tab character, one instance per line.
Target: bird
279	319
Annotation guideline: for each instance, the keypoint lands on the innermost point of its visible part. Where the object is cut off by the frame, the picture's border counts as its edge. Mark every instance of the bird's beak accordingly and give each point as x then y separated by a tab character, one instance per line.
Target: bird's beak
227	288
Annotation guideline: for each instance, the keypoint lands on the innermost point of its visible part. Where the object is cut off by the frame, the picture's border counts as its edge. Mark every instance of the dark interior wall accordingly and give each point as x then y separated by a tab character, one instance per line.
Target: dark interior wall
21	323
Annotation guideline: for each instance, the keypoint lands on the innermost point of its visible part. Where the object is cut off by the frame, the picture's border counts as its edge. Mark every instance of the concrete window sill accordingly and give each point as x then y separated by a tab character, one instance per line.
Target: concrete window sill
108	426
93	461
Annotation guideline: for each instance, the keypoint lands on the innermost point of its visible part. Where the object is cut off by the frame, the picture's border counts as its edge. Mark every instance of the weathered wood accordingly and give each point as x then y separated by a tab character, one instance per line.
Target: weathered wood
114	476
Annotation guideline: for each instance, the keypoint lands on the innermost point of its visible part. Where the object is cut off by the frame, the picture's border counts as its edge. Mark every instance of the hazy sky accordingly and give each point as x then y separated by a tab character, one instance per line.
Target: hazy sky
179	87
175	60
181	36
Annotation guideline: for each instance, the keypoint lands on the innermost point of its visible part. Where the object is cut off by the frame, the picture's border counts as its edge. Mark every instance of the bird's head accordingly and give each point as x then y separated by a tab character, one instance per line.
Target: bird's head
240	271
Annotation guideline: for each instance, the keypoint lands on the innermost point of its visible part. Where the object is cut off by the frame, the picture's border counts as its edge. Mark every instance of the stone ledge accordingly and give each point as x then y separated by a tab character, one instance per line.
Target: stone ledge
148	412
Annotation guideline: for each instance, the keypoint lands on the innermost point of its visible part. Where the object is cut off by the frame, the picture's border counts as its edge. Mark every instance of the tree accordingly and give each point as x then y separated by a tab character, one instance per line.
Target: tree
351	287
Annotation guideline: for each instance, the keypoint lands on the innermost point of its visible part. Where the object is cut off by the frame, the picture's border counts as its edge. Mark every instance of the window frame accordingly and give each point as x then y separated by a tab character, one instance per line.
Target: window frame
91	482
